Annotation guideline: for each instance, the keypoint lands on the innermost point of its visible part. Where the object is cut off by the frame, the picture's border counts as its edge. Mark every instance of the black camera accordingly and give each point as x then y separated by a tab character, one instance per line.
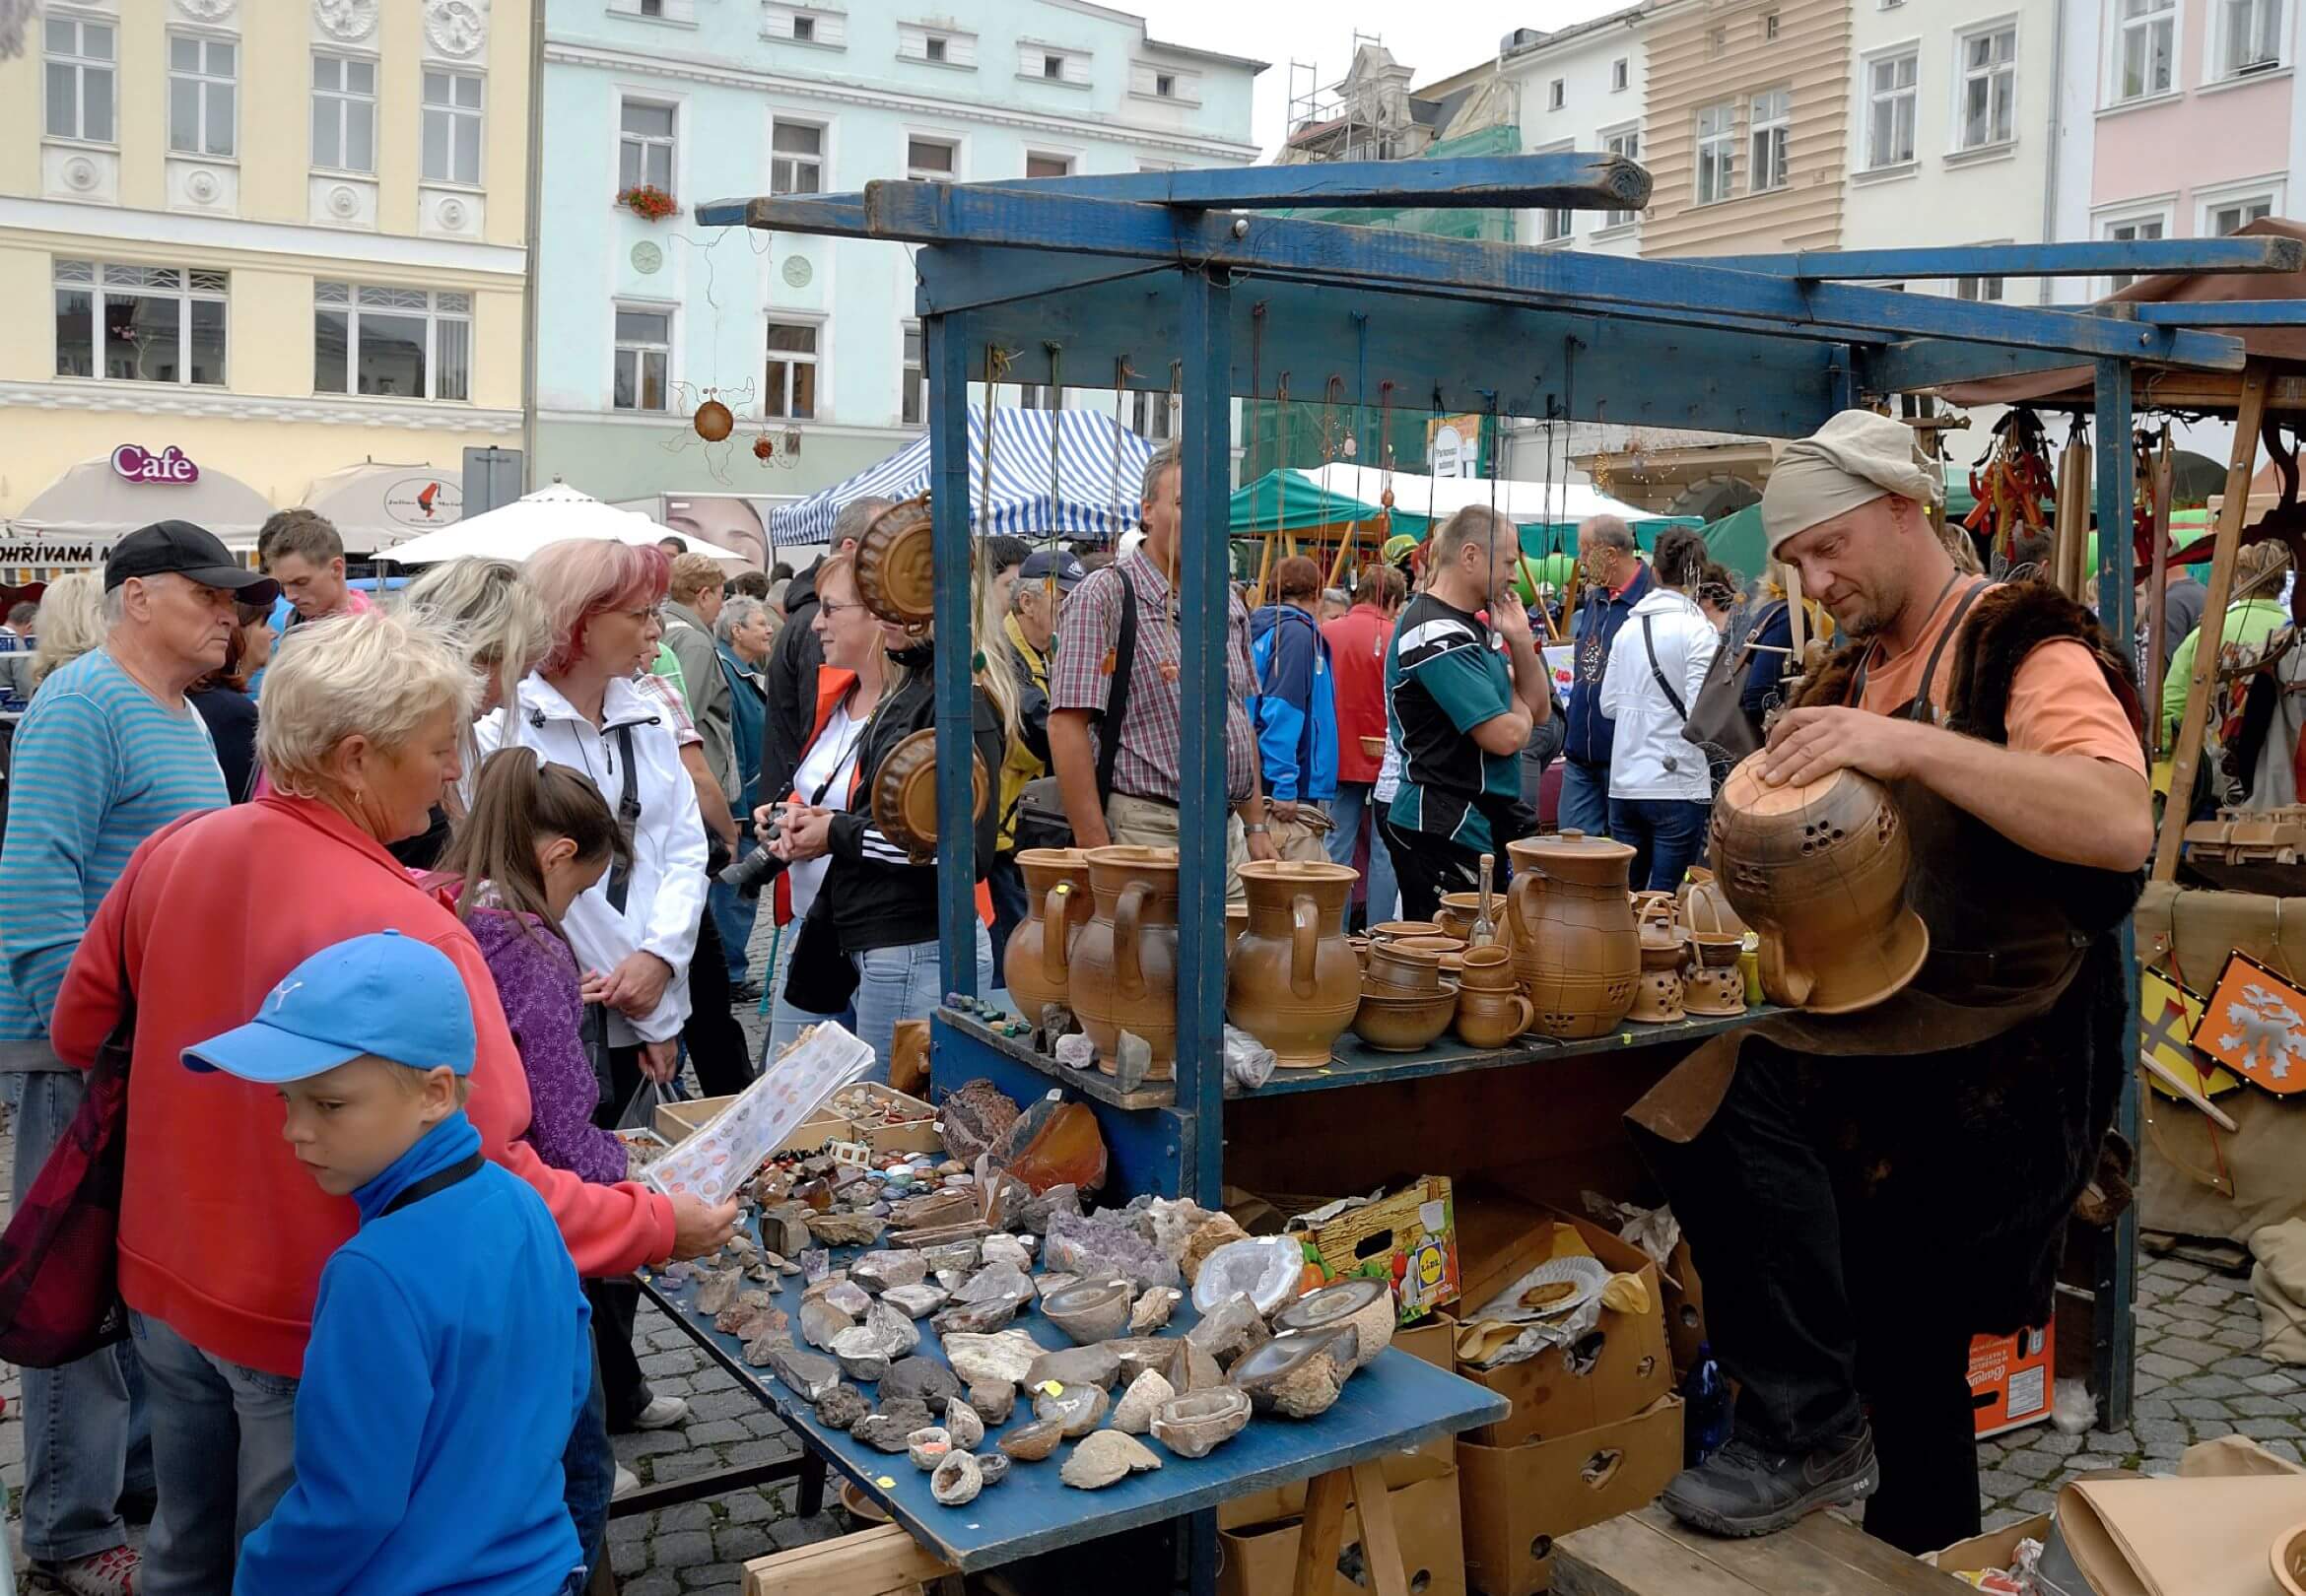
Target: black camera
757	869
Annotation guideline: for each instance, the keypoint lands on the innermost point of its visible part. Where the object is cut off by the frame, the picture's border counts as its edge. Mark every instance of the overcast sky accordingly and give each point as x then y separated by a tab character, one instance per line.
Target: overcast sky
1433	41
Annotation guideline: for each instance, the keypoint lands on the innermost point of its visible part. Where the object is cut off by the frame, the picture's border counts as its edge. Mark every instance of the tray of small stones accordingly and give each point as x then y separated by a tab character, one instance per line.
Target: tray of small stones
945	1363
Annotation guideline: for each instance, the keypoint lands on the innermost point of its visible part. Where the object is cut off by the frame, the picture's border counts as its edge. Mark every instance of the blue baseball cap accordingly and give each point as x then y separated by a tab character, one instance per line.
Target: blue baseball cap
382	993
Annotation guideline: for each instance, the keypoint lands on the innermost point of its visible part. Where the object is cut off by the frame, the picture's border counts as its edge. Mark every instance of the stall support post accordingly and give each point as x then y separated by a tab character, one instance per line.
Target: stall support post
2114	1276
1204	593
945	339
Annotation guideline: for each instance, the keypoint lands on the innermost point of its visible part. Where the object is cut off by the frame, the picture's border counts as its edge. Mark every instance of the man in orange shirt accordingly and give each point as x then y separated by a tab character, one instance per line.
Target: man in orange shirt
1864	1192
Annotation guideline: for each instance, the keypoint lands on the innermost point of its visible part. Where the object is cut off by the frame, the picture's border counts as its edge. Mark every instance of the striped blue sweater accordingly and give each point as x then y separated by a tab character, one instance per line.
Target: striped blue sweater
99	767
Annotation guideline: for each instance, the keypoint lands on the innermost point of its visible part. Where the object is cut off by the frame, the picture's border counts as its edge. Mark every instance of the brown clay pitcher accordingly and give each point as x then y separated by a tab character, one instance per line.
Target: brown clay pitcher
1576	947
1124	960
1038	965
1292	980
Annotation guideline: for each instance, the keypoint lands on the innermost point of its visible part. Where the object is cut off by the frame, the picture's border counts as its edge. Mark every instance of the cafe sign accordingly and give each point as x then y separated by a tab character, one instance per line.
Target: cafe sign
135	463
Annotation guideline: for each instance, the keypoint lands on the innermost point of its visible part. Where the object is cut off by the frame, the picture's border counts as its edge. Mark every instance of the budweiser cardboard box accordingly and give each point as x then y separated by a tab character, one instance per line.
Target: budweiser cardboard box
1610	1372
1432	1460
1517	1501
2010	1378
1262	1561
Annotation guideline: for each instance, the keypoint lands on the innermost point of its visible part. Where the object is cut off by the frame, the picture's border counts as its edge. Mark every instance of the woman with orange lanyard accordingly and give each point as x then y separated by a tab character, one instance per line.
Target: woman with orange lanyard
862	945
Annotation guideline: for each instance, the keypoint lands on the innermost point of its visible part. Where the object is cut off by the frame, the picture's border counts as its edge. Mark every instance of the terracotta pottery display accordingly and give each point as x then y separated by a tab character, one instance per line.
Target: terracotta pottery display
1491	1018
1236	922
1576	948
1406	1022
1459	911
2289	1555
1291	981
1819	871
1486	970
1394	930
1713	984
1704	906
896	567
1436	945
1038	966
1124	961
905	793
1657	995
1396	971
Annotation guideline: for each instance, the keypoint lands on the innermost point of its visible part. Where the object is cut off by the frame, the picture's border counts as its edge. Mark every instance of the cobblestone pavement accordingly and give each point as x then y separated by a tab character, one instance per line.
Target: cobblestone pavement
2198	1377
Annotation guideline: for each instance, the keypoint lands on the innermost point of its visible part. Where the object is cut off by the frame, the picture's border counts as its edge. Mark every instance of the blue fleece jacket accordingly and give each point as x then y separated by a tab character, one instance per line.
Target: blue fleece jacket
1296	707
1591	732
447	1366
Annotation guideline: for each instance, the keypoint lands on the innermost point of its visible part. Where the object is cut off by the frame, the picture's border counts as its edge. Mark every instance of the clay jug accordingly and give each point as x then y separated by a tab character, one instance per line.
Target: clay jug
1038	963
1576	948
1292	981
1819	871
1124	961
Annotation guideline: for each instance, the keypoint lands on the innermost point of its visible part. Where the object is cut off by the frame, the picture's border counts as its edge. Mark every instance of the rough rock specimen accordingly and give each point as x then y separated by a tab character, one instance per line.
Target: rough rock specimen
1075	1408
807	1374
1207	1237
1151	1311
1029	1443
821	1322
960	1256
1004	1249
1138	1353
718	1289
956	1479
889	1428
993	1466
975	1117
918	1300
846	1229
842	1407
923	1379
1230	1329
997	1282
963	1423
1105	1457
880	1271
1132	1415
1097	1365
762	1348
976	1319
928	1446
1104	1246
994	1402
1298	1375
846	1295
1193	1425
995	1359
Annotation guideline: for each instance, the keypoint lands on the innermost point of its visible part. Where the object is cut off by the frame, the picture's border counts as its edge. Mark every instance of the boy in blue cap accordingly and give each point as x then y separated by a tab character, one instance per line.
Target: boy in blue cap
449	1355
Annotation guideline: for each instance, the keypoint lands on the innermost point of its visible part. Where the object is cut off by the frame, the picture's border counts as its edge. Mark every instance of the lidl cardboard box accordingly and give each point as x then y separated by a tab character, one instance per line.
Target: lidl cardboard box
1262	1561
1612	1371
2011	1380
1517	1500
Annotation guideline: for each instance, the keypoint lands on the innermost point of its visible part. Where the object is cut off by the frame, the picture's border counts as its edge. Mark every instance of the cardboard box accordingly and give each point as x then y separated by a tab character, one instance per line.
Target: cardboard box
1993	1549
1408	1237
1685	1307
2011	1380
914	1132
1517	1500
1262	1561
1613	1371
678	1120
1499	1237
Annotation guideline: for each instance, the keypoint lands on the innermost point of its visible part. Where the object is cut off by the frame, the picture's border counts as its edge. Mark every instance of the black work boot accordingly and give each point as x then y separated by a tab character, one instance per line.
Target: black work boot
1746	1490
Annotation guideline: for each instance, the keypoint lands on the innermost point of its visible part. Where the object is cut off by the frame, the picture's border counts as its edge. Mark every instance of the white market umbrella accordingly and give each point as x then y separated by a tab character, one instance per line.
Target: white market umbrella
1521	501
93	500
551	514
375	506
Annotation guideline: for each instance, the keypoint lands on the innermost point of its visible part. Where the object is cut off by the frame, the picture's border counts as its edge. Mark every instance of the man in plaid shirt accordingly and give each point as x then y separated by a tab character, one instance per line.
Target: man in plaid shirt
1142	806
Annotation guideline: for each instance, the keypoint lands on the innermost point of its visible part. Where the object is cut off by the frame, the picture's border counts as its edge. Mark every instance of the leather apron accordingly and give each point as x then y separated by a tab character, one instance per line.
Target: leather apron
2009	932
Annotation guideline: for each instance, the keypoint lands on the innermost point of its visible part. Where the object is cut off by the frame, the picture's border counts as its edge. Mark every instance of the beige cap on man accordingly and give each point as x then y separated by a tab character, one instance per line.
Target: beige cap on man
1854	459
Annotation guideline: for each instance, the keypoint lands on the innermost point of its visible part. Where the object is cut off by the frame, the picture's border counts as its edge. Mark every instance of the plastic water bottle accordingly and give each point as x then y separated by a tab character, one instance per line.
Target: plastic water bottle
1705	1412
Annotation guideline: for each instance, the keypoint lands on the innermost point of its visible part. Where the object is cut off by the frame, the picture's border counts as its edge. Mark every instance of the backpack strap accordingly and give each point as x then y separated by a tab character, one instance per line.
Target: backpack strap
1650	648
1116	697
620	883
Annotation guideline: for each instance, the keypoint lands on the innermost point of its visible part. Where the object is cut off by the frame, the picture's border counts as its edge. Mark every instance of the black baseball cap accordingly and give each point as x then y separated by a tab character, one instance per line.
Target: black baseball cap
1043	563
185	550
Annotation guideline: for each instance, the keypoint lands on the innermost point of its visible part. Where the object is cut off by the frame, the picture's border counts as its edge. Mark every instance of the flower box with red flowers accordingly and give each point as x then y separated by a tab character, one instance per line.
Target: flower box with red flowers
648	202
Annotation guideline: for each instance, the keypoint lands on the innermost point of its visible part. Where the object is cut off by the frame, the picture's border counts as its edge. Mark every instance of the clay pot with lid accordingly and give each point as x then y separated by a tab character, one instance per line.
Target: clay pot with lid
1038	963
1657	995
1713	984
1123	974
1819	872
1292	980
1576	948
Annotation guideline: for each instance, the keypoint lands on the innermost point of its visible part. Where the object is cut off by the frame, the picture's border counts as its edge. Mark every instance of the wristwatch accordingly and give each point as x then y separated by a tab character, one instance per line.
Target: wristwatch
1256	829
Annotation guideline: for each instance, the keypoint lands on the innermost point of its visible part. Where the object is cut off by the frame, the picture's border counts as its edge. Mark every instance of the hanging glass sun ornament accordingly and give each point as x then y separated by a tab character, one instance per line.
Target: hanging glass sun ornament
713	420
764	451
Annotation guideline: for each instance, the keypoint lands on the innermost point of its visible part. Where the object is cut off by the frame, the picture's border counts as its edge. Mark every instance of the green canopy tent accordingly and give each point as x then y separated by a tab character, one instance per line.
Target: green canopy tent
1736	541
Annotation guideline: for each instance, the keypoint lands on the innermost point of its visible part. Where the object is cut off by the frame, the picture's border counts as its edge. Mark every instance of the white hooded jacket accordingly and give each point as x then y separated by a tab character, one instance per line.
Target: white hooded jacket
665	898
1648	757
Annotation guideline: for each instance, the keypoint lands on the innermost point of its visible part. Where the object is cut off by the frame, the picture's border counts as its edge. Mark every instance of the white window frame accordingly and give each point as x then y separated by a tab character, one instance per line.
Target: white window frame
646	144
815	358
1557	93
2105	226
1965	76
1625	141
437	309
818	162
1153	415
1070	162
2120	31
640	349
1717	146
1875	99
924	174
2270	191
1620	74
344	103
1777	132
1770	26
204	84
460	121
913	383
97	279
2218	66
81	66
1979	290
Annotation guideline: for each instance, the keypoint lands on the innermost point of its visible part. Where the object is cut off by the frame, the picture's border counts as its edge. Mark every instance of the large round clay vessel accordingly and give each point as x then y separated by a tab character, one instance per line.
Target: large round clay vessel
1292	980
1576	948
1124	961
1819	871
1038	965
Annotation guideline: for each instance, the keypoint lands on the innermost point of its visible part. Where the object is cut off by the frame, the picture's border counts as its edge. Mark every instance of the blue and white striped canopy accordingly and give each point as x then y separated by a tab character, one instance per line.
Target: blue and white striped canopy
1099	471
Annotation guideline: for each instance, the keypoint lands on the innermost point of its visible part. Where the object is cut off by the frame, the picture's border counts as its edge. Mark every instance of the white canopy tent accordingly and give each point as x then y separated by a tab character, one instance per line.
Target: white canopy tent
551	514
76	519
375	507
1523	502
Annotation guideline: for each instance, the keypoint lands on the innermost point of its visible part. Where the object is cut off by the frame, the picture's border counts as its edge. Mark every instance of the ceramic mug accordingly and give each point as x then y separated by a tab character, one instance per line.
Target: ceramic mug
1491	1018
1487	970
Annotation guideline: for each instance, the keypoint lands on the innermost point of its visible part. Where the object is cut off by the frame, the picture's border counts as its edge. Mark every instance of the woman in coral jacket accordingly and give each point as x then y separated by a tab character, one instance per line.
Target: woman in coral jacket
222	1235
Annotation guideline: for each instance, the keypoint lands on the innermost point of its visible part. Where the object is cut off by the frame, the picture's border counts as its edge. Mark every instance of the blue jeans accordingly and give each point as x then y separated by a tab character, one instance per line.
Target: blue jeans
733	915
901	984
1584	799
1670	834
86	1433
224	1452
1353	812
588	1475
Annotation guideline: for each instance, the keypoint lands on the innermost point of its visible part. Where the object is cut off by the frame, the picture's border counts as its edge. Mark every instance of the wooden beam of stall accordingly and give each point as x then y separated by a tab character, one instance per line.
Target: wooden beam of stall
2185	758
2141	258
1559	180
2158	597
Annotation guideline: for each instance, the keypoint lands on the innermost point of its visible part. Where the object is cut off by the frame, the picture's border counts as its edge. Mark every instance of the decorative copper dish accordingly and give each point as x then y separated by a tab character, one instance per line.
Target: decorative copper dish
905	793
896	565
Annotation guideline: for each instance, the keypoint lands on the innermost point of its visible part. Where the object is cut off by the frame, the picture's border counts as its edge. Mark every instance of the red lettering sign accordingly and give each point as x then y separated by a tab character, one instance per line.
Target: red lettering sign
170	465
